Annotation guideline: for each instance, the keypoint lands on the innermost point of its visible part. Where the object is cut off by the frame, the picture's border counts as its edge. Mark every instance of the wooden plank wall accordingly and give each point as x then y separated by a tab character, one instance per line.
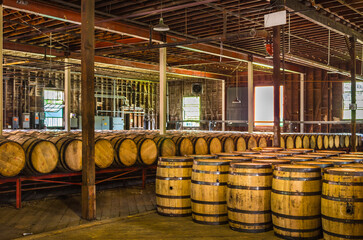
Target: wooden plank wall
211	99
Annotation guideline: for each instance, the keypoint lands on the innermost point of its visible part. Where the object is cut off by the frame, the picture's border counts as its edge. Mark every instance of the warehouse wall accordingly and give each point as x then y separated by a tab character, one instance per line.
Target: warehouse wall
323	98
211	99
23	90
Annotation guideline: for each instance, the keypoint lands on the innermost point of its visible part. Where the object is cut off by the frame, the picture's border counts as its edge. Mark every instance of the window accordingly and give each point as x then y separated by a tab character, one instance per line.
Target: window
191	111
347	100
264	105
53	108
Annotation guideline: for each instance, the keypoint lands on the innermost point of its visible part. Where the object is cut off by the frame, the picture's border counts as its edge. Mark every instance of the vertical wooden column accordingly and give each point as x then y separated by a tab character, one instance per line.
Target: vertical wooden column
162	116
302	102
1	71
223	105
276	79
88	109
353	70
250	97
67	95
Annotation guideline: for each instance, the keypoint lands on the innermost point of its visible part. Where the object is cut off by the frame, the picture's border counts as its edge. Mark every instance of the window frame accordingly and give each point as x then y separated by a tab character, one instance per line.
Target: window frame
197	124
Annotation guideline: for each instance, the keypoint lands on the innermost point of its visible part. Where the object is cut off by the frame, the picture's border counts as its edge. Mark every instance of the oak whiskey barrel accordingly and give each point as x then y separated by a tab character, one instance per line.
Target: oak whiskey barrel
166	146
184	146
173	181
342	203
12	158
295	201
249	197
201	146
208	191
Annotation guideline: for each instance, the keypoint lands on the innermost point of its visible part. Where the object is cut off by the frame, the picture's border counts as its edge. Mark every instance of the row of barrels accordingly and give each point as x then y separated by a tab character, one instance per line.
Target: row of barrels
33	153
42	152
318	141
297	198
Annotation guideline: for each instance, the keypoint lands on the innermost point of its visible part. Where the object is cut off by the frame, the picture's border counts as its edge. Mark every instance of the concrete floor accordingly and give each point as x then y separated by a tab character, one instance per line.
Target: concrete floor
149	226
62	212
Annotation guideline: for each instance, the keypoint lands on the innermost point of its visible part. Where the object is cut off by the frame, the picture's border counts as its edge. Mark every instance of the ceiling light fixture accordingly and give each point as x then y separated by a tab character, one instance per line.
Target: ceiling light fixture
161	26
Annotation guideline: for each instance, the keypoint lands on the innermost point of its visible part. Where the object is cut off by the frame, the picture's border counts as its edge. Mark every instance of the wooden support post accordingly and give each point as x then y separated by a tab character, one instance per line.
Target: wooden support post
88	111
276	79
302	102
223	105
250	97
1	71
162	116
353	106
67	95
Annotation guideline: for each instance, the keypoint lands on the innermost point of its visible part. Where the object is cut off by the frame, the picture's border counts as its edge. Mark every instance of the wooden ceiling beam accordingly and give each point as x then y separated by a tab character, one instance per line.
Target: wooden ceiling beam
312	15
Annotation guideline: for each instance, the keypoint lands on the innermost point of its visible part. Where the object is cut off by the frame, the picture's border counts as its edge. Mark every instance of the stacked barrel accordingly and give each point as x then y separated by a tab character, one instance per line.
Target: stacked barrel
300	193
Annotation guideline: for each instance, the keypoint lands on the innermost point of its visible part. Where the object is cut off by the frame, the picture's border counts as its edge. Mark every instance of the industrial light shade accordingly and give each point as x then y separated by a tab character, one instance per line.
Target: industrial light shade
161	27
236	100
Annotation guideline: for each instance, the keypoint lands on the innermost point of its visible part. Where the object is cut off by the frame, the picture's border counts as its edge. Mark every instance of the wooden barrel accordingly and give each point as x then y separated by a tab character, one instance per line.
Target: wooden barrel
239	159
305	141
325	141
290	153
203	156
271	161
228	145
312	156
357	156
272	149
262	142
289	142
147	150
184	146
355	159
166	146
70	153
104	153
41	155
313	142
337	141
295	201
12	158
352	165
208	191
125	151
276	154
282	142
227	154
249	197
320	164
200	146
246	153
252	142
240	143
297	159
298	141
302	150
324	154
173	180
336	152
319	142
214	145
337	162
264	156
356	153
346	141
342	203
